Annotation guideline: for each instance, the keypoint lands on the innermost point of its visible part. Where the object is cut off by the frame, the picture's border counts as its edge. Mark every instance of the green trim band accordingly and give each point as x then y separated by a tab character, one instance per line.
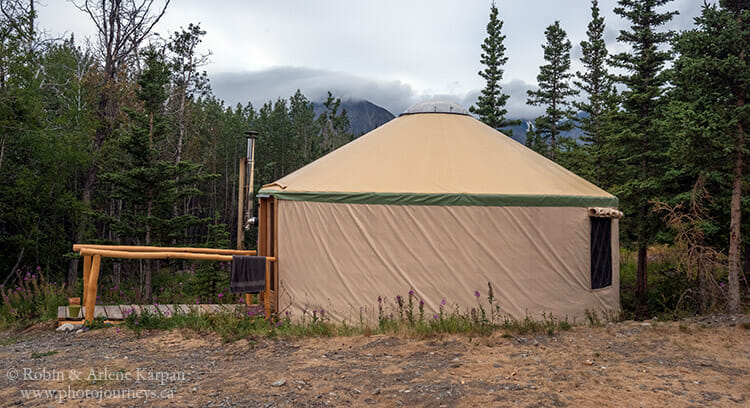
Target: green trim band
483	200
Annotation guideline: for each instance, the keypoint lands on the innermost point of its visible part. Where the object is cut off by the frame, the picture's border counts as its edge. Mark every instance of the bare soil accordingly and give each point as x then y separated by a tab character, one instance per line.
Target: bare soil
689	364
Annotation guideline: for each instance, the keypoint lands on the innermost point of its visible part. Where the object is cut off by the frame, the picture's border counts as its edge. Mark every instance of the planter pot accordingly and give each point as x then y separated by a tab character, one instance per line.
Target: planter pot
74	310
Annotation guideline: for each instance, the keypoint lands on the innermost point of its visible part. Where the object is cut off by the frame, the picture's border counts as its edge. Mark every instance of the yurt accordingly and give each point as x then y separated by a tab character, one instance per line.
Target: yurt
437	203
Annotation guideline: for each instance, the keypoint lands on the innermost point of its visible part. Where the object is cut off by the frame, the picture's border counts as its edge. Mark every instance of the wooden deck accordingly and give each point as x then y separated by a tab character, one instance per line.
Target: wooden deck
118	313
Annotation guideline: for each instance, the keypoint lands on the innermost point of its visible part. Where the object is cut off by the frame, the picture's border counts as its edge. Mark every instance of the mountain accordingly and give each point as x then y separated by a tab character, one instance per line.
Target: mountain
364	116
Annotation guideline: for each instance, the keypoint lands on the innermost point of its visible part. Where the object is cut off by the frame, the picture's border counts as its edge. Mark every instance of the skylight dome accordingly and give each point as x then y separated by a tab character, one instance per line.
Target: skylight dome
436	106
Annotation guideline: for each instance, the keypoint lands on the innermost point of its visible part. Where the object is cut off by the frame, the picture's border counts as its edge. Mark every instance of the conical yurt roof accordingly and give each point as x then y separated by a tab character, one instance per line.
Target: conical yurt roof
437	154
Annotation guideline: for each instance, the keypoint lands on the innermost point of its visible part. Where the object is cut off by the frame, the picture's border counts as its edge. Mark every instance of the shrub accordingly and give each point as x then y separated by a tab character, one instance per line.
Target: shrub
32	299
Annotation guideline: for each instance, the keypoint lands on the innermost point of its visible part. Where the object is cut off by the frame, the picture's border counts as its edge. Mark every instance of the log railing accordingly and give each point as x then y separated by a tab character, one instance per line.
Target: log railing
93	254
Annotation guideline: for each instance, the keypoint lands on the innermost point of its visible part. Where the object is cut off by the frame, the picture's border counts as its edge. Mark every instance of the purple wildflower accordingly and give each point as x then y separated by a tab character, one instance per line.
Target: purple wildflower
411	293
221	295
442	302
476	293
435	317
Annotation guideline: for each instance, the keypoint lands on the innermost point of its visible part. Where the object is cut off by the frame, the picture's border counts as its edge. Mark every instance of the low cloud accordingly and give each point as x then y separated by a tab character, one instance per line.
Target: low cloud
259	87
516	106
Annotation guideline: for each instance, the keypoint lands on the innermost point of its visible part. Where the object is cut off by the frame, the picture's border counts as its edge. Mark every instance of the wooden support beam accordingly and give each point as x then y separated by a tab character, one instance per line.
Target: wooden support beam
154	255
134	248
267	292
92	265
86	273
274	254
91	290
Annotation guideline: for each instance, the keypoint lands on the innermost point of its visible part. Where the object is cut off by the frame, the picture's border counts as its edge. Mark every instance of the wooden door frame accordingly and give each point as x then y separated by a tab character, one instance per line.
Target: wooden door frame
268	242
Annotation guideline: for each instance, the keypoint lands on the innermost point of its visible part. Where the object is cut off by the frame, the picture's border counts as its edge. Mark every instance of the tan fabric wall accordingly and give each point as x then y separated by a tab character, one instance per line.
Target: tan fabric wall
341	257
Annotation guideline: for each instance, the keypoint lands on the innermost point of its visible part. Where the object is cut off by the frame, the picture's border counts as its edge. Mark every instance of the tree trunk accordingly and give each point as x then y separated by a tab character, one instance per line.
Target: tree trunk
735	225
148	284
702	291
642	277
72	272
2	150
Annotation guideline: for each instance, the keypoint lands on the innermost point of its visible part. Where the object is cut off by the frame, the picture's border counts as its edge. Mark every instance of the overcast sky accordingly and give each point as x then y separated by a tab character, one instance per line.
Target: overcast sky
391	52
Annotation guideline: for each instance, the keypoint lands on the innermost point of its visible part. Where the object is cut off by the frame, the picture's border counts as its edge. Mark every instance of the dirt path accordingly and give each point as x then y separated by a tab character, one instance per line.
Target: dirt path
626	364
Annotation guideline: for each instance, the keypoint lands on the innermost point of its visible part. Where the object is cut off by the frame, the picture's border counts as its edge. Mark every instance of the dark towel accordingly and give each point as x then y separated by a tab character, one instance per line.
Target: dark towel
248	274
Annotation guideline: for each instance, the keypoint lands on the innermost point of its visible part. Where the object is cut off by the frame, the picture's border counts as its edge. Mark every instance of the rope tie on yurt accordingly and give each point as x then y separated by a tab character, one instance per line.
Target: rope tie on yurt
604	212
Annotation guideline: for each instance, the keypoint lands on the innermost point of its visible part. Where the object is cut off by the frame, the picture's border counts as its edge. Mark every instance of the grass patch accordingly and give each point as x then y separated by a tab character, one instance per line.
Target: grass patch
407	317
11	340
40	354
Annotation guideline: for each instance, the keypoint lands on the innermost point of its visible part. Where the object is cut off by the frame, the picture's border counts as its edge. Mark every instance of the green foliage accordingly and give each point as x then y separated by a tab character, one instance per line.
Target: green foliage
334	125
640	142
597	84
491	103
707	117
40	354
211	279
672	295
31	298
553	93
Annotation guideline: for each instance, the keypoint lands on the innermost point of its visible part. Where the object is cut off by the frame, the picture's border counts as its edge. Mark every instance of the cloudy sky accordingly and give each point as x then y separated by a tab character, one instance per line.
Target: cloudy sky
391	52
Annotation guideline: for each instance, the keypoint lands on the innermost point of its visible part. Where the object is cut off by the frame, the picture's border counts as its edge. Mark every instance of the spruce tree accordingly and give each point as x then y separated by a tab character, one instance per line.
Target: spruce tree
597	84
148	184
639	144
553	93
491	102
708	117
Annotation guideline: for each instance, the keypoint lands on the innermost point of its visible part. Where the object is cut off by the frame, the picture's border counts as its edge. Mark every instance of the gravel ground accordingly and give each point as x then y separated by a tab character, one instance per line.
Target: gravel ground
692	364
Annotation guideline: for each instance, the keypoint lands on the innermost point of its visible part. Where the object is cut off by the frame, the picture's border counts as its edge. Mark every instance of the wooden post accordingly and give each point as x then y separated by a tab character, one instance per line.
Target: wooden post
86	273
240	204
266	296
91	290
275	254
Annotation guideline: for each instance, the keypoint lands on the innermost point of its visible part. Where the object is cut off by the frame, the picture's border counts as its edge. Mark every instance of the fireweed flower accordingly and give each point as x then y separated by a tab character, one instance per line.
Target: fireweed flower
435	317
442	302
476	293
411	293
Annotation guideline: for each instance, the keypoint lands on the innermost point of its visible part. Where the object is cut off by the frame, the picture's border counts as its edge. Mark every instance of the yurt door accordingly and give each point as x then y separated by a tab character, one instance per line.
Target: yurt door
268	241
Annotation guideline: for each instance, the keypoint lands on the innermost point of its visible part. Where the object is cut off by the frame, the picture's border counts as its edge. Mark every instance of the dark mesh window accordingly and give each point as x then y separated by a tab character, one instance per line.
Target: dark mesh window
601	252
